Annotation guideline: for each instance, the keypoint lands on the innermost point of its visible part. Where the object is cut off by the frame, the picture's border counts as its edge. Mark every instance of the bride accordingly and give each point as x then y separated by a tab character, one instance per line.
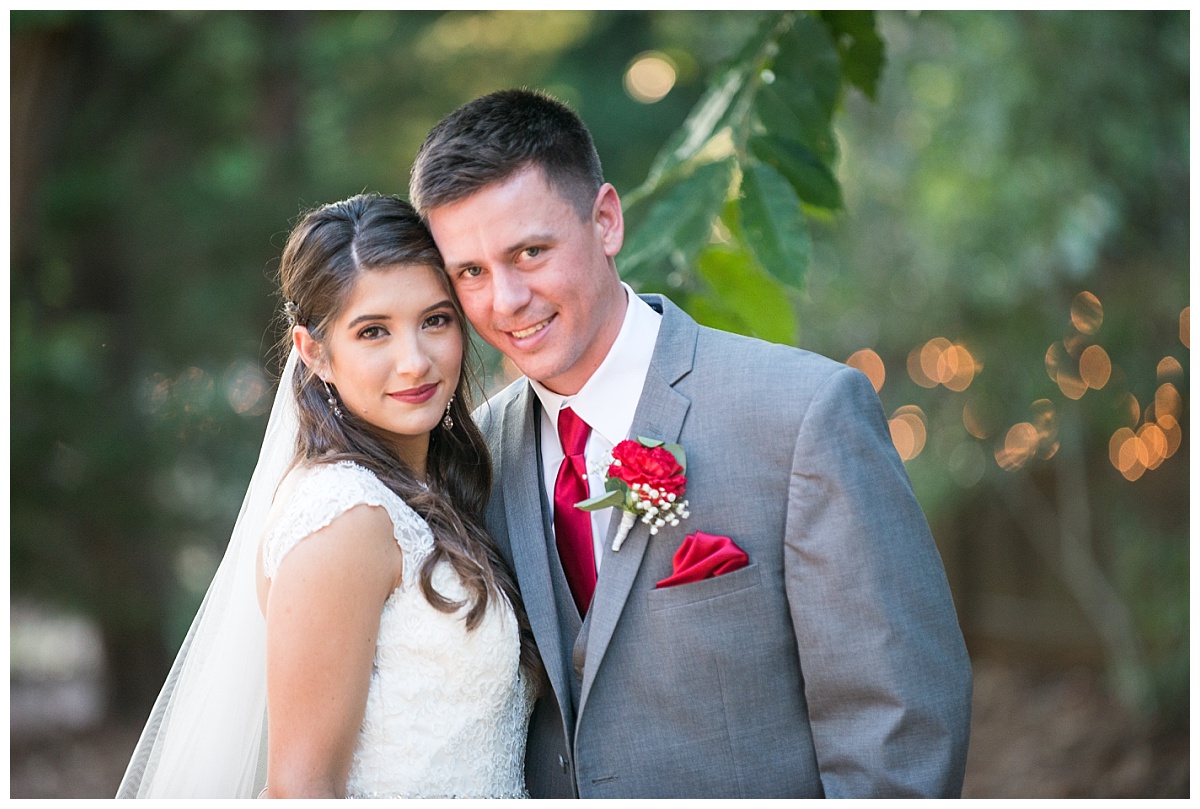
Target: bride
362	636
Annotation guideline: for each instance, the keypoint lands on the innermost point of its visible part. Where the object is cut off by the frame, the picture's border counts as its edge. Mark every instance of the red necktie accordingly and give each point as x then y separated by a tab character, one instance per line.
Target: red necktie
573	527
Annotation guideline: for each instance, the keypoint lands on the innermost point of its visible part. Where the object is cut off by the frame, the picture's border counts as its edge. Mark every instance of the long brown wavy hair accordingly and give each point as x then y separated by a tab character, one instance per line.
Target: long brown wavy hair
325	255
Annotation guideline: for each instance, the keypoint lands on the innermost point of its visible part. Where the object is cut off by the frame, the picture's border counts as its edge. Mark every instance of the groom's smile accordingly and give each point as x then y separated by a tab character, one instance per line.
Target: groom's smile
535	277
523	333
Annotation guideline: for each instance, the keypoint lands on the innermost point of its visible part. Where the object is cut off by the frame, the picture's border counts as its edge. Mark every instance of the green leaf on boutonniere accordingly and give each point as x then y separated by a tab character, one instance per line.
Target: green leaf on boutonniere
612	498
680	458
649	442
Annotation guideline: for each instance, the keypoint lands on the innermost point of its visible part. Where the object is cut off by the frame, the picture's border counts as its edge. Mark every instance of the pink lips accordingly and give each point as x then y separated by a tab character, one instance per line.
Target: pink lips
416	395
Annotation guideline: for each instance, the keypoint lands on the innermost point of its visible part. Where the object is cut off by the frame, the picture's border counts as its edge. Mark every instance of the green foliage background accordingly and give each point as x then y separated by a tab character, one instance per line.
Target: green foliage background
837	181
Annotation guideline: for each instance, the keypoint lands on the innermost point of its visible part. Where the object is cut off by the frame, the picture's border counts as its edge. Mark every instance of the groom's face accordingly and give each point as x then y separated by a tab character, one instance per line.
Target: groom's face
535	279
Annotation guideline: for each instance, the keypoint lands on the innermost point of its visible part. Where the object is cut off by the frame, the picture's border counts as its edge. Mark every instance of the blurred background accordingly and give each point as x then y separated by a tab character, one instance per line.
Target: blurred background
1009	266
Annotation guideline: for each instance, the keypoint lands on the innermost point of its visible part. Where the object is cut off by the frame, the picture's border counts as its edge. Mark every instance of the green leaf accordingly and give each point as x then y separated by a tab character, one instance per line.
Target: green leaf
813	181
799	95
725	103
790	109
675	226
649	442
680	457
858	45
710	115
744	299
600	501
807	57
774	225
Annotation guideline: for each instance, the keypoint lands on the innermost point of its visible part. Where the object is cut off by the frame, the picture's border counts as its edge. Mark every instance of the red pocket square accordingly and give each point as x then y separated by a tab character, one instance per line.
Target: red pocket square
703	556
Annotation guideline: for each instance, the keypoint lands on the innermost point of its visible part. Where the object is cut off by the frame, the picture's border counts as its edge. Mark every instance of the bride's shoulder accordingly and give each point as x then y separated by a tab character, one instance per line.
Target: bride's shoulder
323	490
313	496
321	473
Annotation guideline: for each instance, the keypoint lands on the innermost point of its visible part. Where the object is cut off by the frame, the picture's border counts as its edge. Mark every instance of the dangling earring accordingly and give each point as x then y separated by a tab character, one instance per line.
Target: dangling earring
447	421
333	402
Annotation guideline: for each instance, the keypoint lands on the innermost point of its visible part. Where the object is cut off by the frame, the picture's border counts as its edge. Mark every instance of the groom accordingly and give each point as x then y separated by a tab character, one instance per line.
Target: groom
803	641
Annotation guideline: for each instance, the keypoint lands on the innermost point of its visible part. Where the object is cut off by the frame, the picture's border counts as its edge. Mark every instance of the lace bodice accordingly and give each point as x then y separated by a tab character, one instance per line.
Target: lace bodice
447	709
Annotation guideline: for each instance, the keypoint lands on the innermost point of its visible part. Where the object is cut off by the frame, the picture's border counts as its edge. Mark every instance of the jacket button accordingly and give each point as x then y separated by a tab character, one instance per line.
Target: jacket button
562	762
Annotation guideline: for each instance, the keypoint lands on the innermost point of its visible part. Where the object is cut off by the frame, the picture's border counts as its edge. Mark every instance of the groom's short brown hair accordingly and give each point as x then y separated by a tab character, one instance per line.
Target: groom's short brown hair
488	140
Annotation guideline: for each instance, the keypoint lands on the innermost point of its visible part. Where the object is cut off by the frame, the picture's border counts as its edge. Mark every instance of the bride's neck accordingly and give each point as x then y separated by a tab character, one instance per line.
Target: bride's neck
413	450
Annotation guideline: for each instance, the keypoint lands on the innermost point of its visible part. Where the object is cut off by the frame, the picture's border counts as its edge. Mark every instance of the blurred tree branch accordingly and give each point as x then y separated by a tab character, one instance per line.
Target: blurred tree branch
1061	532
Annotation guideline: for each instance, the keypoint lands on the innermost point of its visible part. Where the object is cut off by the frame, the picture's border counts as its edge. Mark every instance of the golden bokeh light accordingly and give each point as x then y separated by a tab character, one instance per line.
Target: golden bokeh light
1167	401
974	419
902	438
1019	446
870	364
1062	368
1155	441
956	368
931	354
1086	313
916	372
1172	432
1071	385
1129	408
1185	327
650	77
1045	422
1075	343
1095	367
1056	359
1132	454
1116	442
1168	368
907	426
1133	458
940	362
1022	439
1005	460
1044	415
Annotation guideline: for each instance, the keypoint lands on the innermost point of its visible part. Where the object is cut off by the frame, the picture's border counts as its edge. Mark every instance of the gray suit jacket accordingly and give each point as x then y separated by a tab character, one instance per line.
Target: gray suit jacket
832	665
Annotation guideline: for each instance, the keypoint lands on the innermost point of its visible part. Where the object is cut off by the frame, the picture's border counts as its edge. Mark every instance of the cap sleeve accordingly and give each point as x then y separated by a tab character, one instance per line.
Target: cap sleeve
327	491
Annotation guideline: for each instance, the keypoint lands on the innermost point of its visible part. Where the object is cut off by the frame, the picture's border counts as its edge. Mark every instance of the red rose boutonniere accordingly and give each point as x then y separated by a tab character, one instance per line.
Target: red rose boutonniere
645	479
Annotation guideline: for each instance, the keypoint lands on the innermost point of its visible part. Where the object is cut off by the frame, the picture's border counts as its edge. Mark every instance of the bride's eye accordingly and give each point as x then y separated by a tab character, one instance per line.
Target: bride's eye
371	332
438	320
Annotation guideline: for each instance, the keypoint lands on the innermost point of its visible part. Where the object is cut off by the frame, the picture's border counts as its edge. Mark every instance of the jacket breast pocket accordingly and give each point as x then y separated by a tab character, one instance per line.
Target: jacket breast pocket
667	598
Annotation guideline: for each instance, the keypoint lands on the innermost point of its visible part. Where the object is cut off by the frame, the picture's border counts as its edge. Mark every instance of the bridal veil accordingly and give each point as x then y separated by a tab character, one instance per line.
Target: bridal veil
206	736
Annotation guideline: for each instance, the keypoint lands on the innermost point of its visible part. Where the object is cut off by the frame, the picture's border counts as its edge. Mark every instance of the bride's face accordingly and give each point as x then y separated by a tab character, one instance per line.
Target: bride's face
394	353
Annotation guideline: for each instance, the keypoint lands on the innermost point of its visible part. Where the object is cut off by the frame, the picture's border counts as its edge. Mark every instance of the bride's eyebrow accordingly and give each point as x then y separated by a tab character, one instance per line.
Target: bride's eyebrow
361	318
439	305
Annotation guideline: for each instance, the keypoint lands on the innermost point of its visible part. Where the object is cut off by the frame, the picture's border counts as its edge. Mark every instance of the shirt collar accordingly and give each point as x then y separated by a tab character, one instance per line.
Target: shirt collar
608	400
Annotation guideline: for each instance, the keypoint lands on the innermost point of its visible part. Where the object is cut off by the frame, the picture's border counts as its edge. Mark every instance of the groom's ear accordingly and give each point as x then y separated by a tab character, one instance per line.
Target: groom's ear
609	220
309	350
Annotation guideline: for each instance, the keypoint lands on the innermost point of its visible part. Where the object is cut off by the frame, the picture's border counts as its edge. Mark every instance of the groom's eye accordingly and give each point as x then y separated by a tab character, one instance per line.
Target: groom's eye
533	252
472	272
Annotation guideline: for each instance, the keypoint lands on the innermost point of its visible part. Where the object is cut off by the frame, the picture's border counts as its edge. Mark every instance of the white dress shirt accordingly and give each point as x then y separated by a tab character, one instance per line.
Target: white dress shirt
607	402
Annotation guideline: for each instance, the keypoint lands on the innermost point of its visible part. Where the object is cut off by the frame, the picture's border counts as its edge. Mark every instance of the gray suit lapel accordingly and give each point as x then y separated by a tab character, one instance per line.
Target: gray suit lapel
660	414
519	463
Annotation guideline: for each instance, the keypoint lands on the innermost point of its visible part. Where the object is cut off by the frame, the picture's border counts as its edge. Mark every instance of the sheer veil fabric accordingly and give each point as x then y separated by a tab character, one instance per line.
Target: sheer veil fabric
206	735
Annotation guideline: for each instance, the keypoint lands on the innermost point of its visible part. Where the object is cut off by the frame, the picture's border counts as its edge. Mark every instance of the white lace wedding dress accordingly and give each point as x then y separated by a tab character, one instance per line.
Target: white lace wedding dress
447	709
